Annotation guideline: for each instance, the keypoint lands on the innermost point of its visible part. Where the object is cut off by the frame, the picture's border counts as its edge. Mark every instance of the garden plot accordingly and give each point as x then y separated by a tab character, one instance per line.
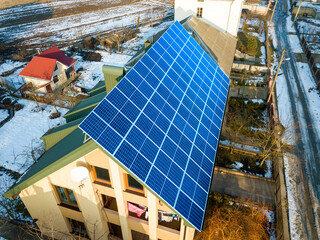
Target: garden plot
63	29
245	137
251	38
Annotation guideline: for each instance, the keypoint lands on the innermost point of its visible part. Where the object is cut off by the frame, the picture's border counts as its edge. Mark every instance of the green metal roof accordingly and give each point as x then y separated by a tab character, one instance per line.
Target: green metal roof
86	103
100	87
64	152
63	127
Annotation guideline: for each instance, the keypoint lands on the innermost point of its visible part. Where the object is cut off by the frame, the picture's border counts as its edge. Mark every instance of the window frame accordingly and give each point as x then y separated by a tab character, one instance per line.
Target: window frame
98	180
55	79
78	233
199	12
67	195
132	188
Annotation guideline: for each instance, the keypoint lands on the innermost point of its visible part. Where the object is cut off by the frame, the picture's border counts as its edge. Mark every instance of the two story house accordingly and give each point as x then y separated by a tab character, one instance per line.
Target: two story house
49	70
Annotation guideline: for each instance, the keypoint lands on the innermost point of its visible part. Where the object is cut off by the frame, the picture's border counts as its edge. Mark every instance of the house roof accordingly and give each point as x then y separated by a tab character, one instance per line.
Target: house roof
42	65
66	151
223	45
166	139
39	67
55	53
94	100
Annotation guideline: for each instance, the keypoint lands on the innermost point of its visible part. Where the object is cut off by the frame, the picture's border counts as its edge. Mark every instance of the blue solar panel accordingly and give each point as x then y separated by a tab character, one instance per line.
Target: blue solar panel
162	122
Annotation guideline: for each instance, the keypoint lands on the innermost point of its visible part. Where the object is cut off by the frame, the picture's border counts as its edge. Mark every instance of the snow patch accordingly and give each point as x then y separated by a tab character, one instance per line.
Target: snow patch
23	132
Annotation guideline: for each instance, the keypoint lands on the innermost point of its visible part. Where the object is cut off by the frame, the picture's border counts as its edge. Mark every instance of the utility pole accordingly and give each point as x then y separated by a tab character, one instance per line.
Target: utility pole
297	13
275	77
274	8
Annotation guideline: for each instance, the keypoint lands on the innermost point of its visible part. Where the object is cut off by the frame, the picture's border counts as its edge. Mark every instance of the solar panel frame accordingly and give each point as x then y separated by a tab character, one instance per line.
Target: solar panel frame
140	133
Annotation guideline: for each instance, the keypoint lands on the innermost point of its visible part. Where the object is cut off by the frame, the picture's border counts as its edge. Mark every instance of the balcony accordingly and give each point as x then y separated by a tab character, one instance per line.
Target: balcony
109	202
137	211
169	220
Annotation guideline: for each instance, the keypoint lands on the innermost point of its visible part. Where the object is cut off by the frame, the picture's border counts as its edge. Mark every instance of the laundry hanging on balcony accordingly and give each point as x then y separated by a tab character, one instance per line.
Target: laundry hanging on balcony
133	208
167	217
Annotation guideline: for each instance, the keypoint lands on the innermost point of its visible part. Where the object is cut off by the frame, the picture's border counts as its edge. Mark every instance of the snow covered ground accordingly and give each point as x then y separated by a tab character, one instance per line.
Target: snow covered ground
92	71
23	132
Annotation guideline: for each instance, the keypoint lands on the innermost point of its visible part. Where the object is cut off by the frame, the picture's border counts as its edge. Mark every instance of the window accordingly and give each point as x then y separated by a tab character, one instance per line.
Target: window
132	184
101	175
67	196
78	228
55	79
56	67
199	12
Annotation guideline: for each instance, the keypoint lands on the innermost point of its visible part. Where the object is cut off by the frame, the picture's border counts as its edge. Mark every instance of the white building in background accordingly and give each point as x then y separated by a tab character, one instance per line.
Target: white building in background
222	14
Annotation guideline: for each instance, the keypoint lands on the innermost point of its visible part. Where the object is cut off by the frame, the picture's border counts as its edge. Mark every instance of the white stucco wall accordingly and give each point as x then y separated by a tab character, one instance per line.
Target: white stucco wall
41	200
224	15
60	72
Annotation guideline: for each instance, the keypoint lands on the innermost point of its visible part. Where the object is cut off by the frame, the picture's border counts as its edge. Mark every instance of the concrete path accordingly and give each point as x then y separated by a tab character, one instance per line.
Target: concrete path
242	185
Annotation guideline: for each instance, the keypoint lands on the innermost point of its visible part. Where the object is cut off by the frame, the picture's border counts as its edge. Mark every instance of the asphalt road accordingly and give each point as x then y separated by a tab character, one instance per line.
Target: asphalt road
307	148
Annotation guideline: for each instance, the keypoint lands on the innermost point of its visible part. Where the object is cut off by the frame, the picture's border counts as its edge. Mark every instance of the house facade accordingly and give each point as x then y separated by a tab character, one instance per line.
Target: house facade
49	70
108	202
223	15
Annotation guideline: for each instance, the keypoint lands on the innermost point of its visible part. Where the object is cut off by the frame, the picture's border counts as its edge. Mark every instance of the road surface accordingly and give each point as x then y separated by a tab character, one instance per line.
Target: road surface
307	151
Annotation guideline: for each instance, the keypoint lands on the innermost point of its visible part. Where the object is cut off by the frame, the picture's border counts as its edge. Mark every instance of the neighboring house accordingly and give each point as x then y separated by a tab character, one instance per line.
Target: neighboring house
222	14
49	70
115	199
307	9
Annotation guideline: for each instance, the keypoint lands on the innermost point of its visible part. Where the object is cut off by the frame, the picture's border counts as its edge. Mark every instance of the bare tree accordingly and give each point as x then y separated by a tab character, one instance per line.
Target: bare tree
31	89
242	220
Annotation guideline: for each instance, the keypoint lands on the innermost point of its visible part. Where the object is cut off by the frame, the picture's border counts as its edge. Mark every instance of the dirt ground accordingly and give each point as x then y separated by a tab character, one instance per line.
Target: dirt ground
11	3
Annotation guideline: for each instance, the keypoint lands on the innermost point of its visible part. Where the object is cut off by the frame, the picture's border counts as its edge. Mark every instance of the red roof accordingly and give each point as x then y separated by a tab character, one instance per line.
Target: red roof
39	67
42	65
55	53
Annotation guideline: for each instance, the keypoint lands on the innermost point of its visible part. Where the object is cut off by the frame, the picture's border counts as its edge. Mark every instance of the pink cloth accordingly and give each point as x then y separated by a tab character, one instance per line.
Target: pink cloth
135	209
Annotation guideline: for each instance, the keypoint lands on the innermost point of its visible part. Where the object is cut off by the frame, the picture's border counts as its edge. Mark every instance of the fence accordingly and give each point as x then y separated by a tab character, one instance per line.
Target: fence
312	64
282	219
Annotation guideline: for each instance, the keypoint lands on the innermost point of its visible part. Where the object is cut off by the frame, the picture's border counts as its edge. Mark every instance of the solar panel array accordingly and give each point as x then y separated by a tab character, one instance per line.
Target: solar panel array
162	121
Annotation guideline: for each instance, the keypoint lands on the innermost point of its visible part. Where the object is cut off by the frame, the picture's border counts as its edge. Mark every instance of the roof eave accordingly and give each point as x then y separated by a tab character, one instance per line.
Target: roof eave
72	156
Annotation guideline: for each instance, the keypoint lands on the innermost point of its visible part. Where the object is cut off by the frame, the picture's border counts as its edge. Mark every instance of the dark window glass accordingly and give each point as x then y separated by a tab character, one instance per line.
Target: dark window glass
132	183
55	79
63	195
102	174
78	228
